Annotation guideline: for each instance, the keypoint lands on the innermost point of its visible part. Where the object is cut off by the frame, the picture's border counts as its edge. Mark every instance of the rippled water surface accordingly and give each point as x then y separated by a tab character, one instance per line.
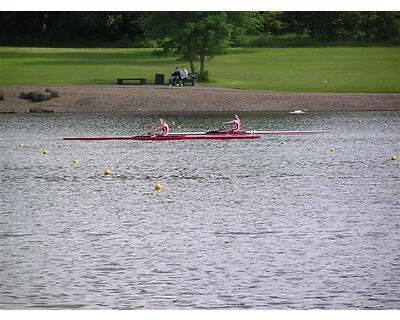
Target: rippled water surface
239	224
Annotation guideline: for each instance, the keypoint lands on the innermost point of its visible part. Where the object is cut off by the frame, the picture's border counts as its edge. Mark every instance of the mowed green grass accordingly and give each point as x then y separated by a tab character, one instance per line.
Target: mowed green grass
332	69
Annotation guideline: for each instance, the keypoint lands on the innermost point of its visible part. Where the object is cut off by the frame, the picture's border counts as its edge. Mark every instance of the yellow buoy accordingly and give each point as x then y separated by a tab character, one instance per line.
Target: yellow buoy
21	145
45	151
107	172
75	162
158	187
393	158
332	149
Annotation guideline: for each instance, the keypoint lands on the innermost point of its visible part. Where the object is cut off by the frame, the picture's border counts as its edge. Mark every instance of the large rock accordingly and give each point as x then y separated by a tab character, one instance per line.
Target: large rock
38	96
23	95
54	93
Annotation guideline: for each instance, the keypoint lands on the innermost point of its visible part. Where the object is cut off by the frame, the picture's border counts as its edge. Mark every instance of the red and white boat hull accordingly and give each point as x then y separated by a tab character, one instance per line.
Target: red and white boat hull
171	137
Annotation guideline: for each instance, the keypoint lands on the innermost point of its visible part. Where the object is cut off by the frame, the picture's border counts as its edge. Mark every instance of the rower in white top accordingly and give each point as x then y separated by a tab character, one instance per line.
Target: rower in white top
162	130
235	125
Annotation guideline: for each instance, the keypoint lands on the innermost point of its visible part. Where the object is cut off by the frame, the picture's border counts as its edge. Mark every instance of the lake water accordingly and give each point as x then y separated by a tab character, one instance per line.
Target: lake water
259	224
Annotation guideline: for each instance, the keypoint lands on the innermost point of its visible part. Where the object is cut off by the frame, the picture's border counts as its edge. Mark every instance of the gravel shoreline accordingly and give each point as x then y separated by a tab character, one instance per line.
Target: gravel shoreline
164	99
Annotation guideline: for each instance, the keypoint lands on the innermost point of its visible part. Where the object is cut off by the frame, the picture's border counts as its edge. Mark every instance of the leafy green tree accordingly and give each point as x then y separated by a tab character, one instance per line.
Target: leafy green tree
387	25
344	25
245	24
297	22
273	22
69	27
196	34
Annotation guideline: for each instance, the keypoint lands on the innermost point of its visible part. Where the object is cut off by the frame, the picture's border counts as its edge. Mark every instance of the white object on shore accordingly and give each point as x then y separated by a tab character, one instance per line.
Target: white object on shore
298	111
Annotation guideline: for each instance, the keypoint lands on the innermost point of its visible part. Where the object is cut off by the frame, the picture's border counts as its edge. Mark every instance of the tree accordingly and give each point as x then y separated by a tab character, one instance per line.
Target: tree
211	35
65	28
191	34
273	22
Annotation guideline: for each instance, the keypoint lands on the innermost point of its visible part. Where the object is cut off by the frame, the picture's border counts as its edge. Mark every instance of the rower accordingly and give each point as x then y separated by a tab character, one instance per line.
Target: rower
236	124
163	129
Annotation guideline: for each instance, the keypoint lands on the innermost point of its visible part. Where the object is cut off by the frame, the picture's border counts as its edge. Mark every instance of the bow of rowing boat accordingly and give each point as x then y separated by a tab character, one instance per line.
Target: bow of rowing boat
286	132
218	132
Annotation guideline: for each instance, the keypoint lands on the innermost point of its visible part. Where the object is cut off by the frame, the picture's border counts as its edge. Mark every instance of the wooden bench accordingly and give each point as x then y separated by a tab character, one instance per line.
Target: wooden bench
141	80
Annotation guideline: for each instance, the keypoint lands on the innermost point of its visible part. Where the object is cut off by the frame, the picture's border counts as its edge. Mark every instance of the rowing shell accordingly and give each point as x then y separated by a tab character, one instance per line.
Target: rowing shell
174	137
250	132
203	135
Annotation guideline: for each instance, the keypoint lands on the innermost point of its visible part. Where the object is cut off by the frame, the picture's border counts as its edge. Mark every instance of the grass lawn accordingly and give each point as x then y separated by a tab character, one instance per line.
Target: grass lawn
332	69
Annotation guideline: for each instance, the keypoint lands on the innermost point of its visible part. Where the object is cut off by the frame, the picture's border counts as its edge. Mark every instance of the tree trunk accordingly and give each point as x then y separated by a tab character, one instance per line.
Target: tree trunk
202	67
368	26
191	58
191	66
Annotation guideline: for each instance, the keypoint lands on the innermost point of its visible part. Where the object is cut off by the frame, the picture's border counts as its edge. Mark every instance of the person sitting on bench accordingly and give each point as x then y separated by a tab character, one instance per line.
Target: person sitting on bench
175	78
184	75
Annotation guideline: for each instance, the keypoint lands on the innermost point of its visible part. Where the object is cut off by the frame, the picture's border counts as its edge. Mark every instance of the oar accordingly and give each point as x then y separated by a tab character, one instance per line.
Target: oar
225	128
175	125
152	132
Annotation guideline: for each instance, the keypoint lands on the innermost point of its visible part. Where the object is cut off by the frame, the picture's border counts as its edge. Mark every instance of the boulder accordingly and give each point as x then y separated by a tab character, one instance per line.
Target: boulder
23	95
34	95
38	96
54	93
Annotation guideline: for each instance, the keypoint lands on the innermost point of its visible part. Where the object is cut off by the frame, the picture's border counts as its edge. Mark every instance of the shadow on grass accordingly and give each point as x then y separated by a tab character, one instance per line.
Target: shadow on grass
238	51
123	59
84	56
94	62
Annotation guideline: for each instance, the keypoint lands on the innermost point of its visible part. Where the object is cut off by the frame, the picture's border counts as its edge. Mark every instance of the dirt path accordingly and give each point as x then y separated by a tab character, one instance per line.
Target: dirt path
147	99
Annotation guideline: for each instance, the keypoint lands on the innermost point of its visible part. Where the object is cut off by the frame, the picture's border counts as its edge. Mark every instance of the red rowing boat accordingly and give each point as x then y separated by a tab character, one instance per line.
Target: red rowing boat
174	137
202	135
272	132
